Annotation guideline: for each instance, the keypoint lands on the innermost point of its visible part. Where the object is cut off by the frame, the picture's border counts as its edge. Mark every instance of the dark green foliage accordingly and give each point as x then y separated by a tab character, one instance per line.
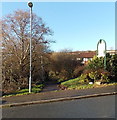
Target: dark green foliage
95	64
113	67
95	68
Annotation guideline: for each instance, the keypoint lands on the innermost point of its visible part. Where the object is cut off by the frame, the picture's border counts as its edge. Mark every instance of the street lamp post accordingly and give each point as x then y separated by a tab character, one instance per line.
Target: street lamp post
30	4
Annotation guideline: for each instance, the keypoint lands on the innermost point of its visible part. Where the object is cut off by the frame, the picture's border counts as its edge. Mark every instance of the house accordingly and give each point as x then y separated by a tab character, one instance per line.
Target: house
88	55
84	55
111	52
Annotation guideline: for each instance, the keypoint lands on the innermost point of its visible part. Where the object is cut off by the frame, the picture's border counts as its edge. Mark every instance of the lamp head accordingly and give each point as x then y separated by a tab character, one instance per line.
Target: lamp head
30	4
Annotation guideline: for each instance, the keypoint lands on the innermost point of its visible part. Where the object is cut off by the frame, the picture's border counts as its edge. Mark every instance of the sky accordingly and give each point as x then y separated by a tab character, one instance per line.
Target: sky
76	25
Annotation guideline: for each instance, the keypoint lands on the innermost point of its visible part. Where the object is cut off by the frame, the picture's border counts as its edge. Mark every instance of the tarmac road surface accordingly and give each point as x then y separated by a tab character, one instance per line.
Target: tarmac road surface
58	94
97	107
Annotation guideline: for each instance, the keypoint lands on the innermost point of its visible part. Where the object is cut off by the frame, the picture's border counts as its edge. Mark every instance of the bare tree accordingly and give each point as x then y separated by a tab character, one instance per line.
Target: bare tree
15	36
63	65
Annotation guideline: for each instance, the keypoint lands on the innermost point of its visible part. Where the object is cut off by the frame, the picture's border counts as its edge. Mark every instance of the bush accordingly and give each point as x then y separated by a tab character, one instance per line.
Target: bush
83	78
99	75
94	75
105	76
78	71
95	64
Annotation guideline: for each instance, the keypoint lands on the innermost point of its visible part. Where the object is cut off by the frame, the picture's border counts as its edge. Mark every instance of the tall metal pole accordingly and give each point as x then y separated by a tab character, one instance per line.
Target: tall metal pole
30	4
42	68
105	56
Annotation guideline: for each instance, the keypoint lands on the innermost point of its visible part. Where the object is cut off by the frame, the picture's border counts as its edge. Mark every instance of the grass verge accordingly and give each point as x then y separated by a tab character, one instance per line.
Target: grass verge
35	89
76	84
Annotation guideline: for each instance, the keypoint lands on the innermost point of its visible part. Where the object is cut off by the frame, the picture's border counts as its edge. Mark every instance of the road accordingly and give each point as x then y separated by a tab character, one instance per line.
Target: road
98	107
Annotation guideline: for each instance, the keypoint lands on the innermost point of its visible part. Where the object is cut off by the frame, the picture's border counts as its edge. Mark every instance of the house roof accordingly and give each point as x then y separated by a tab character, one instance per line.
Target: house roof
84	54
87	54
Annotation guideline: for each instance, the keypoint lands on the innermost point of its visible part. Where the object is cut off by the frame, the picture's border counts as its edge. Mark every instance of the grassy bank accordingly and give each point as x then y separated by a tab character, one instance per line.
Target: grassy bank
35	89
77	84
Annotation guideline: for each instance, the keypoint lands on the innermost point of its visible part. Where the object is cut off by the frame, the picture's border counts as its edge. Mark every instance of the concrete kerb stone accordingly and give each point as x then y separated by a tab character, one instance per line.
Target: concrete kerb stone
56	100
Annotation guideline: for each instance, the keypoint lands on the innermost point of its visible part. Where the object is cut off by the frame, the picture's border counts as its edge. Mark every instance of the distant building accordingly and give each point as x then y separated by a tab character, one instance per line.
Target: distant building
88	55
112	52
84	55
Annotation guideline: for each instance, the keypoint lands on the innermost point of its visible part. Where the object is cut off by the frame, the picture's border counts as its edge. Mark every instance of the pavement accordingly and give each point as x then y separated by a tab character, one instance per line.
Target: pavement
57	95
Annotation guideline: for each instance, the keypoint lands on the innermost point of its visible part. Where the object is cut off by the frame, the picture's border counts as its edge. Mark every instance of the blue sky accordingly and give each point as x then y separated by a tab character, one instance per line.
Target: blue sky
76	25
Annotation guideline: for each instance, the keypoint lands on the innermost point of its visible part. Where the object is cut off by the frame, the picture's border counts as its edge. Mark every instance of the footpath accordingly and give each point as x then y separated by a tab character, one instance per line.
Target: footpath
57	95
